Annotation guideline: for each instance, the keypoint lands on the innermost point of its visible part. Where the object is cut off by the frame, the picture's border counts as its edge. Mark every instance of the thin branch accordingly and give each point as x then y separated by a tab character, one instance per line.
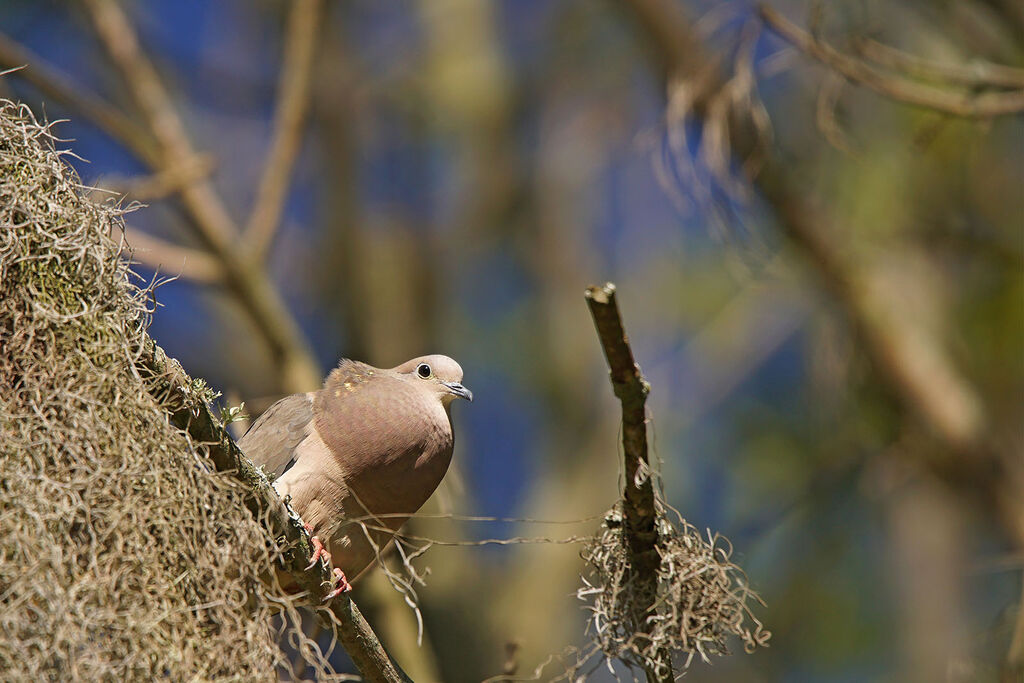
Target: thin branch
1013	667
965	104
913	365
56	87
290	117
171	259
828	98
976	74
164	182
255	291
174	388
639	509
927	385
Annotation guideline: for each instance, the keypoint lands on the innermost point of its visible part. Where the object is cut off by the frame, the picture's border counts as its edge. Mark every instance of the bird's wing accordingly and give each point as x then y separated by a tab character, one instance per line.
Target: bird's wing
272	440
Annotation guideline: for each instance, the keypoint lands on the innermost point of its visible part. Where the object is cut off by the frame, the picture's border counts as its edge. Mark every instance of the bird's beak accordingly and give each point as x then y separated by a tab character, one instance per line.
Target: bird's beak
459	390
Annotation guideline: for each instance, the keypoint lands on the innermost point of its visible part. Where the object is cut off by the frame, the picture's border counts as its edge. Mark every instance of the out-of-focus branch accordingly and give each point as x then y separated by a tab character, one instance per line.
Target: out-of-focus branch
59	89
1013	667
163	183
976	74
173	388
639	511
964	104
920	374
911	364
675	52
172	259
250	282
289	119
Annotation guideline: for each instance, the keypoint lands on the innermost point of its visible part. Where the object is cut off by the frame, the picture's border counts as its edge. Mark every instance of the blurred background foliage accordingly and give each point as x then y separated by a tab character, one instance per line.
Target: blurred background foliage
848	415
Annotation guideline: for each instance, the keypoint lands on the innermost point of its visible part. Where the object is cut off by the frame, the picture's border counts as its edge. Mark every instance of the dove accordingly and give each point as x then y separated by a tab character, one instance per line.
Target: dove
370	446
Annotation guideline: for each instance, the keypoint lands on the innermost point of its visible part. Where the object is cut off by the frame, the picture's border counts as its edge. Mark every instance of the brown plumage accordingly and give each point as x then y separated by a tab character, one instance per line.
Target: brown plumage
371	443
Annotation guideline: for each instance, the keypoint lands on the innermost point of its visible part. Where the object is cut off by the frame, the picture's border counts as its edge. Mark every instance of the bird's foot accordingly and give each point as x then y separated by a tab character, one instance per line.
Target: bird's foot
319	551
341	585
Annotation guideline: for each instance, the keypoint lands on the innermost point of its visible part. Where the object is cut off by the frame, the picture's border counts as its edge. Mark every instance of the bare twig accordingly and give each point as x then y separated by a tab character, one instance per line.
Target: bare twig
639	510
920	374
56	87
914	367
964	104
251	284
172	259
828	98
976	74
168	381
292	105
165	182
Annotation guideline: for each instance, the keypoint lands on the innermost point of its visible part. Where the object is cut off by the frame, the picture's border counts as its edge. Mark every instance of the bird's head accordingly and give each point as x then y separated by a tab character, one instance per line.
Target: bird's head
441	373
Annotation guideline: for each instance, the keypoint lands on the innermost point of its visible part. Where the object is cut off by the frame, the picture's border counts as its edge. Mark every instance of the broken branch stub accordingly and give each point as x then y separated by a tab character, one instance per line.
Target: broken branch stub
654	584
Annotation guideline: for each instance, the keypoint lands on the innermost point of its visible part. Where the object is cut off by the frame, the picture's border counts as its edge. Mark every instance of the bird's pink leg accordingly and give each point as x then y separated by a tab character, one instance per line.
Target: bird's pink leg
318	549
342	585
320	552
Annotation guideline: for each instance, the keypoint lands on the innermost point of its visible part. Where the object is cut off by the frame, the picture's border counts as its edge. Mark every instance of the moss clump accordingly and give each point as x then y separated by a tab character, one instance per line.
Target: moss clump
701	597
122	555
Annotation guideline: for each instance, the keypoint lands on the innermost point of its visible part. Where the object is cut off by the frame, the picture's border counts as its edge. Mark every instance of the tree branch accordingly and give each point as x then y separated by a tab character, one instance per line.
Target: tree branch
916	369
173	388
56	87
164	183
965	104
171	259
639	509
1013	667
290	117
919	372
975	74
255	291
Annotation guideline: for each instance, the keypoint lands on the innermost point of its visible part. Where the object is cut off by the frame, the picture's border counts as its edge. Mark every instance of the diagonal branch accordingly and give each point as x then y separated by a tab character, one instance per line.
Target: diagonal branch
163	183
251	284
916	368
169	384
639	508
292	106
56	87
965	104
975	74
920	374
172	259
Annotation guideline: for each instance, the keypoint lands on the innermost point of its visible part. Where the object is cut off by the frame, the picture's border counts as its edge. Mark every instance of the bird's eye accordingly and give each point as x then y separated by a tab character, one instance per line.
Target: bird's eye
423	370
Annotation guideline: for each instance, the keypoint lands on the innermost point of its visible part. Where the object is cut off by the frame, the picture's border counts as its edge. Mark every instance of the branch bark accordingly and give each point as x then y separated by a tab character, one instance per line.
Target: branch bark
639	509
170	385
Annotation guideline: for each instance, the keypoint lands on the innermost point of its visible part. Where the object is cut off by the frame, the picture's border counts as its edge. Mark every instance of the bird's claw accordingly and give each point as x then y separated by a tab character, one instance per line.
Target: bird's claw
343	586
318	552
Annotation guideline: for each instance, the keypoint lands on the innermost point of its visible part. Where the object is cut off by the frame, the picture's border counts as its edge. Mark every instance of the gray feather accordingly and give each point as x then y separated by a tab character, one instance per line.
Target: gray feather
272	440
